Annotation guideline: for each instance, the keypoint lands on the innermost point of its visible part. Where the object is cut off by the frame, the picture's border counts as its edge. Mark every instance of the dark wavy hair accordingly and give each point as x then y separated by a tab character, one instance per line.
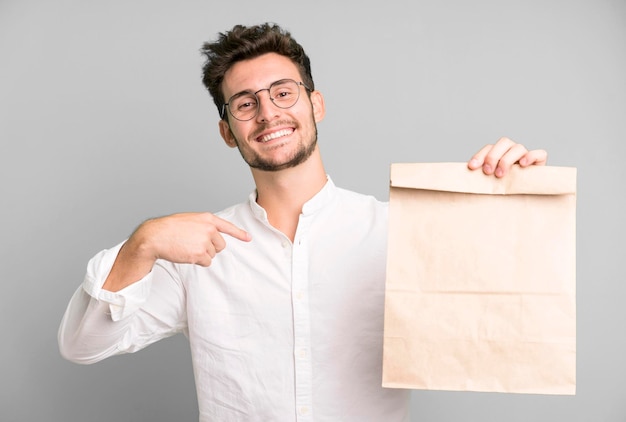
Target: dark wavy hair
248	42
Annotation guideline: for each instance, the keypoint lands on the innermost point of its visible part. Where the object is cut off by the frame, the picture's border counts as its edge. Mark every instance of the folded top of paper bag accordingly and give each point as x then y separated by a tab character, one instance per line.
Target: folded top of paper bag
457	177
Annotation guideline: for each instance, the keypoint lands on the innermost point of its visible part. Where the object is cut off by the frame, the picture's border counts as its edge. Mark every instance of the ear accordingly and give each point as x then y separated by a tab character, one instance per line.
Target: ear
226	133
319	109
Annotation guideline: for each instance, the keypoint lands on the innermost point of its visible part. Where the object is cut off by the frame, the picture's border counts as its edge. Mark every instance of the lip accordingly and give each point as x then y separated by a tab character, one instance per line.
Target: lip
275	133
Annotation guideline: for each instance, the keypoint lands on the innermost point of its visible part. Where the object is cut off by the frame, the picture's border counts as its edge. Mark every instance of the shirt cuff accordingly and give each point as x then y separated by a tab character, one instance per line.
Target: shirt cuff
121	303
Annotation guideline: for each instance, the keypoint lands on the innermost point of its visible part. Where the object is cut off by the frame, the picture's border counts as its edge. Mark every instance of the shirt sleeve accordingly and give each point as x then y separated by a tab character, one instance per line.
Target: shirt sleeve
98	323
121	303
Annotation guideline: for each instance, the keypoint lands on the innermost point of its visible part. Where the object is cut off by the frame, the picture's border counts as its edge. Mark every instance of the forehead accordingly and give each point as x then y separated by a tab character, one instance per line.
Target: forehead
259	72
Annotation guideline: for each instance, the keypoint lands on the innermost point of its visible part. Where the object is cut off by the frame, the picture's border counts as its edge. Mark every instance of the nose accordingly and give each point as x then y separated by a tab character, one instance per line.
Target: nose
267	109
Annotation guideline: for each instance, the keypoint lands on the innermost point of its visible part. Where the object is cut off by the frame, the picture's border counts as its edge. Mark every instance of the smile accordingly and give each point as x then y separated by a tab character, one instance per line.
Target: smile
274	135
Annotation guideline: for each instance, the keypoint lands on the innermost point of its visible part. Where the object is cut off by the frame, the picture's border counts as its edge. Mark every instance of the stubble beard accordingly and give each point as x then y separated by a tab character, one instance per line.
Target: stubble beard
304	151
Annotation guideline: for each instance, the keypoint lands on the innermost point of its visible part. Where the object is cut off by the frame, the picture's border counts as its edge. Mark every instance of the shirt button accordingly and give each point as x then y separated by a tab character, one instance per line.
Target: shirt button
304	410
302	353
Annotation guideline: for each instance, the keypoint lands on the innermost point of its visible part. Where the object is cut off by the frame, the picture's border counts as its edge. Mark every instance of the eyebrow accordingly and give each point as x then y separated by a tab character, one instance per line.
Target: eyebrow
239	94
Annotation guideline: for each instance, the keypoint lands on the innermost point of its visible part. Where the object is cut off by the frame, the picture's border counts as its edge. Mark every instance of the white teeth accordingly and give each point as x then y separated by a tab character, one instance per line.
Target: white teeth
275	135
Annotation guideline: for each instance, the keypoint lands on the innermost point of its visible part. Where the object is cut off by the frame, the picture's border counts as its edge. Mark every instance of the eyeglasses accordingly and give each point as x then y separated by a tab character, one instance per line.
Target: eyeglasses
245	105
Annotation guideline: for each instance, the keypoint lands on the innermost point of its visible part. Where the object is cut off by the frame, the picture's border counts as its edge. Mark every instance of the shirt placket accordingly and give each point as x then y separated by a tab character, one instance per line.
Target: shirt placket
302	323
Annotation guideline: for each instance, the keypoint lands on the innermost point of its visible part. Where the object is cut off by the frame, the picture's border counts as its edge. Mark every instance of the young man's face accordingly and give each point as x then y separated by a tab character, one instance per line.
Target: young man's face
276	138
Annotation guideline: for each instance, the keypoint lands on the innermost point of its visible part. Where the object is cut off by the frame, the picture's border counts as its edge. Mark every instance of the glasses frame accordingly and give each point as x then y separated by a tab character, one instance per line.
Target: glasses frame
258	102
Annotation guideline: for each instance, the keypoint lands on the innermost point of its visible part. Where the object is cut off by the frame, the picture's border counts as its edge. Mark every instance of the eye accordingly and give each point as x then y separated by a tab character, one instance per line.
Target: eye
284	92
245	103
245	106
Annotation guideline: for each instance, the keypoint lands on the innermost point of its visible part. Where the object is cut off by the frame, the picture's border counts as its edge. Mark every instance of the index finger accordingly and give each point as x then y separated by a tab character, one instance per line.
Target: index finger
226	227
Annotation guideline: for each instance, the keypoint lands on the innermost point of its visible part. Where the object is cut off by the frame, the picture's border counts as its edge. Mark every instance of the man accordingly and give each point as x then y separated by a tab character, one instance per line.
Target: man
281	296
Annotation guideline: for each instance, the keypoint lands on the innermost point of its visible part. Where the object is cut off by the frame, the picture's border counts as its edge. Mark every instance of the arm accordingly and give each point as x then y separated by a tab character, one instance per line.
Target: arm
132	295
189	238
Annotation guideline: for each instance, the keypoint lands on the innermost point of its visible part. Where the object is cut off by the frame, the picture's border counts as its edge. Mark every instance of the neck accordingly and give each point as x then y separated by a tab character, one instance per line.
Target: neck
283	193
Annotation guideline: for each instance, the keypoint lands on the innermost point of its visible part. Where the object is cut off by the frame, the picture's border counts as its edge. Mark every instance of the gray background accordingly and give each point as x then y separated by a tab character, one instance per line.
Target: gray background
104	122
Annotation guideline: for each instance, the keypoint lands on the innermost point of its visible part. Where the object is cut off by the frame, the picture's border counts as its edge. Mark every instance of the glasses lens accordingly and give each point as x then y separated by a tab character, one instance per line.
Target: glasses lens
244	106
284	93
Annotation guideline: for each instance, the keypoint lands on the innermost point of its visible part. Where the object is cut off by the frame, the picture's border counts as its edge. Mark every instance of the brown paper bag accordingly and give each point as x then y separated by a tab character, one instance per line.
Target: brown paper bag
480	290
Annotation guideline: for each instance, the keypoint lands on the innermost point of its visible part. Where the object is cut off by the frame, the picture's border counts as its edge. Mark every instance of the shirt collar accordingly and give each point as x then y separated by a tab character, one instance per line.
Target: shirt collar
321	199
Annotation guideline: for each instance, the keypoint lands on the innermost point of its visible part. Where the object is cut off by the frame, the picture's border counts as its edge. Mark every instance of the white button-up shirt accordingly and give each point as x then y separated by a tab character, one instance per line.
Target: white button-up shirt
279	331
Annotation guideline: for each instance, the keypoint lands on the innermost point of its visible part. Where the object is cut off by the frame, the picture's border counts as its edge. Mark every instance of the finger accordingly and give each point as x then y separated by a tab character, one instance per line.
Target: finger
478	159
201	255
494	155
216	243
537	157
205	261
205	257
226	227
509	158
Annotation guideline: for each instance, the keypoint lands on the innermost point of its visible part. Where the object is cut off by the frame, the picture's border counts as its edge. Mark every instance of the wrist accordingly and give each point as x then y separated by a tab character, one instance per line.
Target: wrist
140	246
134	261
